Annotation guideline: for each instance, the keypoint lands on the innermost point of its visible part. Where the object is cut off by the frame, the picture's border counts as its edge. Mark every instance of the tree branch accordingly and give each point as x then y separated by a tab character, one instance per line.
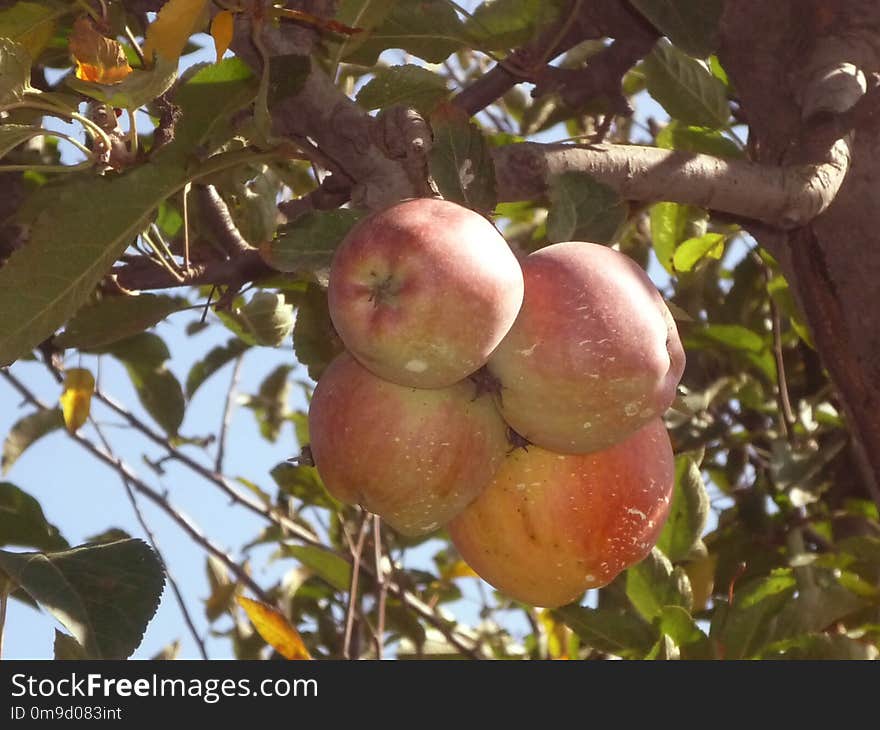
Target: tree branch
786	197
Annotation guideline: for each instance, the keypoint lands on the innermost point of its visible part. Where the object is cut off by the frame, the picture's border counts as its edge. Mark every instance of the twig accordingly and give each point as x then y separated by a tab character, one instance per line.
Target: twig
122	468
228	410
178	596
356	552
788	419
381	586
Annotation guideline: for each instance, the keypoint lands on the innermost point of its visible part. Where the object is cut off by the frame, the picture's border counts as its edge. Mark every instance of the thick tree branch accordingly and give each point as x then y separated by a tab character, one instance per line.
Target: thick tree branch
780	196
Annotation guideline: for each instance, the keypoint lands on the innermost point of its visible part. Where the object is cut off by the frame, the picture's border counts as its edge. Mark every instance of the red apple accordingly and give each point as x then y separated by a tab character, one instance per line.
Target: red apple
594	353
416	457
550	526
421	293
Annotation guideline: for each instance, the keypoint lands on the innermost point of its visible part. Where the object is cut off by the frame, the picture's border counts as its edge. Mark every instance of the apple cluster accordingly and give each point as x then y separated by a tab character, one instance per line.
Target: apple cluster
516	402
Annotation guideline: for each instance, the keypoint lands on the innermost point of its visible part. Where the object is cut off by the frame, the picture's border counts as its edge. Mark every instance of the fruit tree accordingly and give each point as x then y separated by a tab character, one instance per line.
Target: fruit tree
409	328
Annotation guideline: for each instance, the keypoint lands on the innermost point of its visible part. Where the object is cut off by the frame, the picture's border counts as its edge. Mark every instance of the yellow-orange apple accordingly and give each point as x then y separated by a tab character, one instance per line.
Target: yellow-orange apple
416	457
594	353
550	525
422	292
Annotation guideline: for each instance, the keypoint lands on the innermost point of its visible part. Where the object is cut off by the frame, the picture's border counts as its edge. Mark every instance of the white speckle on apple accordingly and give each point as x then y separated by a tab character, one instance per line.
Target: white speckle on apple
587	424
416	366
528	351
647	413
631	409
638	512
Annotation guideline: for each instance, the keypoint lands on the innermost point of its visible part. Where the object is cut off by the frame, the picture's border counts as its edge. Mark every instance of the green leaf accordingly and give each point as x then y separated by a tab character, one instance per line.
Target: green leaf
15	71
583	209
692	25
22	521
497	25
460	160
330	567
823	646
671	224
693	250
688	512
45	282
103	594
270	404
429	29
307	244
115	318
12	135
159	392
615	632
216	358
304	483
365	15
679	136
26	432
66	647
740	631
144	350
679	625
29	24
654	583
685	88
315	340
408	84
267	319
734	336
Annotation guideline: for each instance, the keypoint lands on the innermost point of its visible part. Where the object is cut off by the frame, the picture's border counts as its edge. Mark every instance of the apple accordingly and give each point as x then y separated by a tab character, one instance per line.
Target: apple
421	293
550	525
416	457
594	353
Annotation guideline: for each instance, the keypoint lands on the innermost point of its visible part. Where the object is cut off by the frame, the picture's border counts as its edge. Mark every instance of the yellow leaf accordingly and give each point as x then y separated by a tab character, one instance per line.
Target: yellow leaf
98	58
221	31
557	635
76	397
176	22
275	629
458	569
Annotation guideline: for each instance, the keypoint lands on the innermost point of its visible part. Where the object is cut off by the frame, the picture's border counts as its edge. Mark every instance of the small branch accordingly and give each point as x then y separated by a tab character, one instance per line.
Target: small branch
125	471
228	410
215	215
334	191
356	552
786	197
141	273
381	586
178	596
788	419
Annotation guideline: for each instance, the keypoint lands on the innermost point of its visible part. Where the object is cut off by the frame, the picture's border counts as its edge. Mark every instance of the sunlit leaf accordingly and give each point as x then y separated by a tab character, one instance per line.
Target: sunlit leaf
275	629
688	512
329	566
691	251
97	57
679	136
31	24
167	36
654	583
15	71
222	26
685	87
76	397
671	224
616	632
502	24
